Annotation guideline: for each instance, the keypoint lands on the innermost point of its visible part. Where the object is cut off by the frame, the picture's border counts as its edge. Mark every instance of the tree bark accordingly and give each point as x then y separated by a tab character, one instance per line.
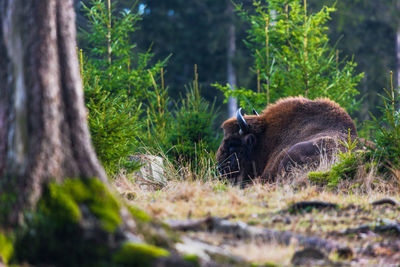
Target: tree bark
43	131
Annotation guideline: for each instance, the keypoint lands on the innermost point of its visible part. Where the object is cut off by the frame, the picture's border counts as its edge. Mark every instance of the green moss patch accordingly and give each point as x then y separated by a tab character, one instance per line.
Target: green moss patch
6	248
139	214
75	224
134	254
62	201
192	258
60	205
8	198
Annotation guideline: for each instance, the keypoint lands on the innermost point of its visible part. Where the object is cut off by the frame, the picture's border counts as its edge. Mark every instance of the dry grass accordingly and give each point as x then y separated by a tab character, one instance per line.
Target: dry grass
263	253
194	195
186	196
181	199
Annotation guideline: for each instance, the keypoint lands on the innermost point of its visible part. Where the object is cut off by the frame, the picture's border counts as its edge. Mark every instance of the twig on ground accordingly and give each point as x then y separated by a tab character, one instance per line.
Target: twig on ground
242	230
314	204
380	227
383	201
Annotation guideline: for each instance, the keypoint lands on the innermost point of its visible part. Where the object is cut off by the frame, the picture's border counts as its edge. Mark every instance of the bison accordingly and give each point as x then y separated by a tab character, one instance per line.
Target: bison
293	131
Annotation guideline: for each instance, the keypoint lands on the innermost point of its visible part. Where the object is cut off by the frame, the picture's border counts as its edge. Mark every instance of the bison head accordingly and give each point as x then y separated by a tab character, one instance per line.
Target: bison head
236	154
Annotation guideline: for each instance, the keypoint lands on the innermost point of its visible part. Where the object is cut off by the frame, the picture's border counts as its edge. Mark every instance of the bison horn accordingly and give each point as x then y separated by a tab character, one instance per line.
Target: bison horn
255	112
244	127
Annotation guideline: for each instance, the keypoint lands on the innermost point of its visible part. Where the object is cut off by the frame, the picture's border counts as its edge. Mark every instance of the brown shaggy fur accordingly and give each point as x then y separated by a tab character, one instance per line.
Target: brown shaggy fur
294	130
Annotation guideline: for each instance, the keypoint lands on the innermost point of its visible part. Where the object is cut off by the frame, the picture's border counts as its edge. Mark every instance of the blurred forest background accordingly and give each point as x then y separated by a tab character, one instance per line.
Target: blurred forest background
200	32
158	75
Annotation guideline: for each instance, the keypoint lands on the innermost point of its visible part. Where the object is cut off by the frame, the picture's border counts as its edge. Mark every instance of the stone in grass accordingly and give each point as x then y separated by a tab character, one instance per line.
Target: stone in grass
152	169
310	257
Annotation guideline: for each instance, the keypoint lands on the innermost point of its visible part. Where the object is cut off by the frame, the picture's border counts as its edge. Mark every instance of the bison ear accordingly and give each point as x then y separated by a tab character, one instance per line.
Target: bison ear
250	140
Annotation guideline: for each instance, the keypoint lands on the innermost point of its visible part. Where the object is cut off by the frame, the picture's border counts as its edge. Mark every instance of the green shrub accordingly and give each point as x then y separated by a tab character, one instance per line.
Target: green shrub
111	52
345	168
292	56
191	135
157	118
117	81
114	125
386	130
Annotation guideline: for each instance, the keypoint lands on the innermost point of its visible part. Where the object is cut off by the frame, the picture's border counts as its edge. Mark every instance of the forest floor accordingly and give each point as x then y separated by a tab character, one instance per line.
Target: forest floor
279	224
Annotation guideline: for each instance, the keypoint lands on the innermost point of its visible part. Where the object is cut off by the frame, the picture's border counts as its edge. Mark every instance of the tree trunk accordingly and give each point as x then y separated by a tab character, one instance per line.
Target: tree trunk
44	140
231	75
43	131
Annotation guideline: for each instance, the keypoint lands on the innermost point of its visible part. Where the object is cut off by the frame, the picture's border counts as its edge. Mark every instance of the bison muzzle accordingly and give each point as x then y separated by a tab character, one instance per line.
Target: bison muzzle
294	131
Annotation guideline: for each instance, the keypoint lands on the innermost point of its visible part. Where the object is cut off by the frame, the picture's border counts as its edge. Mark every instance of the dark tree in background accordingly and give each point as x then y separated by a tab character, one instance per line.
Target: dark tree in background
193	32
230	68
43	131
197	32
366	29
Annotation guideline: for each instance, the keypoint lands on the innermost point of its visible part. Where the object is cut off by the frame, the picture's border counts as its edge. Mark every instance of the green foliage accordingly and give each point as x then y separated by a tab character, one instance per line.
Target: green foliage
350	145
220	187
117	80
321	178
374	22
112	53
196	32
345	168
157	119
292	56
114	123
191	135
386	130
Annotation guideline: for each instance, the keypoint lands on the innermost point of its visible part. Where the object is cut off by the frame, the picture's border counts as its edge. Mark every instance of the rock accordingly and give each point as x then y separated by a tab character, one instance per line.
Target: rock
310	257
152	170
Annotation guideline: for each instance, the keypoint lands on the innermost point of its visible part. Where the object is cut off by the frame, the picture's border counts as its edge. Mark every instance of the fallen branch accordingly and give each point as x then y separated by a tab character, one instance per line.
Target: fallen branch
380	227
242	230
190	225
309	205
383	201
